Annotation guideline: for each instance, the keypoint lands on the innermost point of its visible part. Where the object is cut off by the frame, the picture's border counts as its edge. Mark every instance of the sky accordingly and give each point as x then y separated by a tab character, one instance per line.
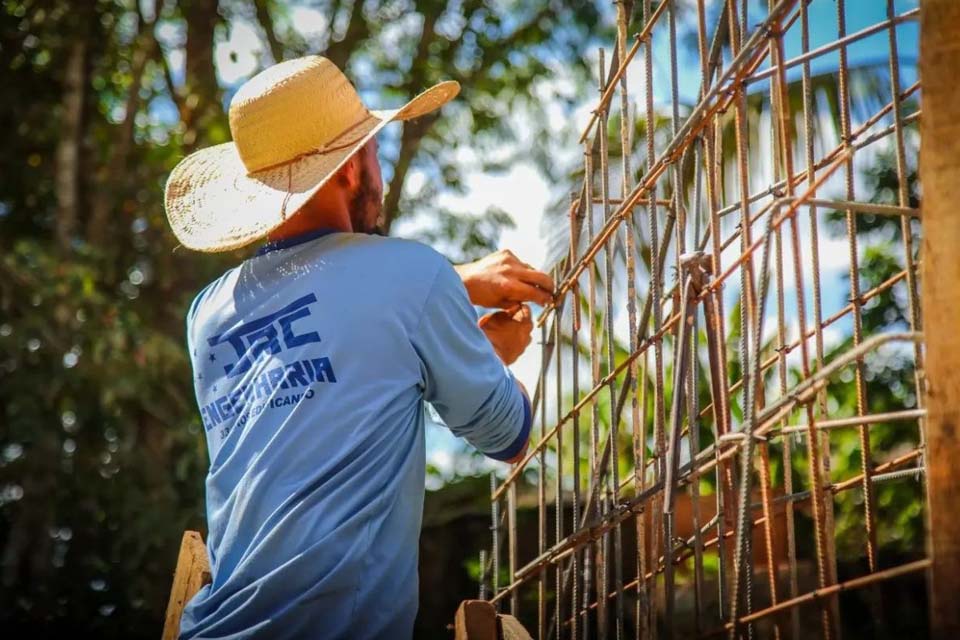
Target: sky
524	193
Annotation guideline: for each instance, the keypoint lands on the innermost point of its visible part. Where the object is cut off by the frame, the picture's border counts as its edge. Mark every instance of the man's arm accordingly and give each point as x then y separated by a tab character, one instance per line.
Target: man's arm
467	383
510	334
501	280
517	458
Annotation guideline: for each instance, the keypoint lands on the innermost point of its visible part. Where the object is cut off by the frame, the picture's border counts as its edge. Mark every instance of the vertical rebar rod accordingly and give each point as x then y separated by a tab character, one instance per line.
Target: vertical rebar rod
542	485
742	547
626	147
814	453
677	194
866	462
605	328
576	225
512	546
742	574
482	594
786	452
558	500
595	379
826	555
495	532
626	131
612	553
715	322
655	290
693	419
903	199
644	603
680	364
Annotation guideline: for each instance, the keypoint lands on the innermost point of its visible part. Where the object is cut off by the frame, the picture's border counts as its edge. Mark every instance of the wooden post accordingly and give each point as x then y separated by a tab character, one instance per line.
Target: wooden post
940	287
478	620
193	571
475	620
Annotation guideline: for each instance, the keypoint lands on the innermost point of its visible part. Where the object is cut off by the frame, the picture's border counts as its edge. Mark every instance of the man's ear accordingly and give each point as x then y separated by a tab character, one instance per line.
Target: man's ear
349	173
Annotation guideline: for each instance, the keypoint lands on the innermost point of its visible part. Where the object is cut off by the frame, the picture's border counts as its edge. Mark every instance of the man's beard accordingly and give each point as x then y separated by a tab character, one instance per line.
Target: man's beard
366	208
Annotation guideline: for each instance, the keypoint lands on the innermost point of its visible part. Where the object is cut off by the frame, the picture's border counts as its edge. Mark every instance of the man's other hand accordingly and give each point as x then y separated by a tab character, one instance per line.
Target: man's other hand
502	280
508	331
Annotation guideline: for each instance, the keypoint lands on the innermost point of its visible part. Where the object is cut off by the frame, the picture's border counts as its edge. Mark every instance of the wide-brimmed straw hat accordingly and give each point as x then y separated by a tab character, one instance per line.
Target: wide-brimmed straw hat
293	126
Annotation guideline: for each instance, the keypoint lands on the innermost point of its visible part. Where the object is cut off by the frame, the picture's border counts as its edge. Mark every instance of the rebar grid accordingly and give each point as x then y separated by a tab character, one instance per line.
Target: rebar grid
686	357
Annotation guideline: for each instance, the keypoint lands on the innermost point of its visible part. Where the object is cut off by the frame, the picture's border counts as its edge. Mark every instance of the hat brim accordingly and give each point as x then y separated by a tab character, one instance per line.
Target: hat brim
213	204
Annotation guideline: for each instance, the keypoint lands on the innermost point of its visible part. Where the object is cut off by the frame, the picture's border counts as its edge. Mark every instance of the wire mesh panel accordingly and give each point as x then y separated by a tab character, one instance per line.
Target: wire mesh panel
729	406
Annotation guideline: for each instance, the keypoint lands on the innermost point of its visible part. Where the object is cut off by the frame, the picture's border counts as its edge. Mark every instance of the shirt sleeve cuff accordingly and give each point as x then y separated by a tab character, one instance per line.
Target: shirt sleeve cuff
520	441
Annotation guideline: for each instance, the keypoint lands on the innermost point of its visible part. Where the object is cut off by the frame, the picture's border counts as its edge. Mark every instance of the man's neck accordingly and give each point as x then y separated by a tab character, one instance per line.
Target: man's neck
309	220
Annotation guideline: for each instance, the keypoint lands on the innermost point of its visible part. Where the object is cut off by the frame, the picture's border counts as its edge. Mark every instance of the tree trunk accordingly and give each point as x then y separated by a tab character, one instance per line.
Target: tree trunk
201	90
413	131
112	175
265	18
67	172
358	29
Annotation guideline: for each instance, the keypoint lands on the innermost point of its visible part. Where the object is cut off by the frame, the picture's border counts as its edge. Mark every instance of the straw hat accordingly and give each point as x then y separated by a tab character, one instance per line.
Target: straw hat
293	125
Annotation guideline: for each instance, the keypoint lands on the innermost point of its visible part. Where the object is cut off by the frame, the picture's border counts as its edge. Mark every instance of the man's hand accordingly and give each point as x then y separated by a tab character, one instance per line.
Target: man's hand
508	332
502	280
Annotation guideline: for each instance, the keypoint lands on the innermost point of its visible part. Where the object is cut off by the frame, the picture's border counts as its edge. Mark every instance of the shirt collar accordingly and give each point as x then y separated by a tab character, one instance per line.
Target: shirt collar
293	241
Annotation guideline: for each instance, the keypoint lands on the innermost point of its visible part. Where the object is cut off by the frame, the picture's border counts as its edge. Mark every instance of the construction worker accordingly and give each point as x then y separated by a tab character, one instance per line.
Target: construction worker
313	360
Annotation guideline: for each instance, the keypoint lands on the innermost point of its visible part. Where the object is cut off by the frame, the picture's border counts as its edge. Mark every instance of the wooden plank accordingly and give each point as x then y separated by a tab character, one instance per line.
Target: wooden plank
940	286
511	629
475	620
192	572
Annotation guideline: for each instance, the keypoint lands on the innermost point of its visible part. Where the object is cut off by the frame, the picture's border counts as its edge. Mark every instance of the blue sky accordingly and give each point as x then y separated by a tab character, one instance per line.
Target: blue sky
860	14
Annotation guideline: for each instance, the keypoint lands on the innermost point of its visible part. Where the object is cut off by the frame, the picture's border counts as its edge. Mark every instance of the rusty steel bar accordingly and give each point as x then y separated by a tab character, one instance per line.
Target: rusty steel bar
869	420
608	90
727	372
800	395
749	58
495	532
542	483
558	496
576	226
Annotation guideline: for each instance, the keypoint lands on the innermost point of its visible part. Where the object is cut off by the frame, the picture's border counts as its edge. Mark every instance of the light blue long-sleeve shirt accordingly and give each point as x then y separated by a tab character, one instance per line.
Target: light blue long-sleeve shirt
312	362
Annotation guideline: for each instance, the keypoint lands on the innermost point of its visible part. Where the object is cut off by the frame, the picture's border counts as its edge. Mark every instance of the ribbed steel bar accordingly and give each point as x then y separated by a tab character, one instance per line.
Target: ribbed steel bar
792	207
495	532
727	384
542	482
512	543
717	100
558	502
611	548
576	223
592	551
800	395
903	200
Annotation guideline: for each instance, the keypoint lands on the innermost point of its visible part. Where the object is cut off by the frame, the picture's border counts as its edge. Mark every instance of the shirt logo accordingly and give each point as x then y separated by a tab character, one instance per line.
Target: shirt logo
264	336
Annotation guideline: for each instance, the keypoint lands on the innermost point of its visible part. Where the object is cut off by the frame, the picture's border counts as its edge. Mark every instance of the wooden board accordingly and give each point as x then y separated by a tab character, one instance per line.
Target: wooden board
475	620
478	620
940	175
192	572
511	629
